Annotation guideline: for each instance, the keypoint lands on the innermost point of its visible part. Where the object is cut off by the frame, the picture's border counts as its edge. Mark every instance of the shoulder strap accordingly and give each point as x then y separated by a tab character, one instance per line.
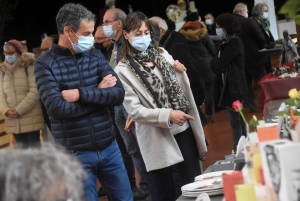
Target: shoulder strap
145	81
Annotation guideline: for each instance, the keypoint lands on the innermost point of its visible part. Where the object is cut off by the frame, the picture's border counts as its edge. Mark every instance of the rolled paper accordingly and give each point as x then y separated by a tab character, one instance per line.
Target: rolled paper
257	164
261	174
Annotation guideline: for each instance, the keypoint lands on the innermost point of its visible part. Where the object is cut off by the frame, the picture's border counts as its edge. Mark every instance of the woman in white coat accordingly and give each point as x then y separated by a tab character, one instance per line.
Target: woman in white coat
161	103
19	99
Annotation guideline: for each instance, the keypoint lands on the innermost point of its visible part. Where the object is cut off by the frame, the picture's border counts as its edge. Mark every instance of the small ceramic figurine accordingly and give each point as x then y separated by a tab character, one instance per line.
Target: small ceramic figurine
289	49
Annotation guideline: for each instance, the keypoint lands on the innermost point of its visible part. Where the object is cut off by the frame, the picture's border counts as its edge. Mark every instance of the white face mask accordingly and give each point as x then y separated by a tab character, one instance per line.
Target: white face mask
85	43
220	32
141	43
108	31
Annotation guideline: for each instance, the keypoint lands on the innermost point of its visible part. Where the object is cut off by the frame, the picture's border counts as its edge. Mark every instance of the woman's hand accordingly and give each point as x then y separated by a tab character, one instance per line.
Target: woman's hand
179	67
178	117
129	123
12	113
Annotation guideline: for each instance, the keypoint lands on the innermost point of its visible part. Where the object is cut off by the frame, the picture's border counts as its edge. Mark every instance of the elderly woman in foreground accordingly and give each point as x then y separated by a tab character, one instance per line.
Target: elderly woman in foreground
160	101
46	174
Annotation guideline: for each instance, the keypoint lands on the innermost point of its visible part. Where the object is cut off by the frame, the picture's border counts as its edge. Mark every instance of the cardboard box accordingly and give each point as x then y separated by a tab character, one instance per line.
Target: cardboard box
281	169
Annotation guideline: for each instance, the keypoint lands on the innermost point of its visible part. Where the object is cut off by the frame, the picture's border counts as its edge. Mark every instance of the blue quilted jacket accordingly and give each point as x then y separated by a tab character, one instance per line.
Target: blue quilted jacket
85	124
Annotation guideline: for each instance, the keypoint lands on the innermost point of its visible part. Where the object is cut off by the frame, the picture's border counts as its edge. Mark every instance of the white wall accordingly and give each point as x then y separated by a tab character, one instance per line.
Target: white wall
272	16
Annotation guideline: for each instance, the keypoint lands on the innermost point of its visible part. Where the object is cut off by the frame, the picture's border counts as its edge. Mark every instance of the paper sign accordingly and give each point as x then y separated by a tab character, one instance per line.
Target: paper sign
267	133
245	192
229	181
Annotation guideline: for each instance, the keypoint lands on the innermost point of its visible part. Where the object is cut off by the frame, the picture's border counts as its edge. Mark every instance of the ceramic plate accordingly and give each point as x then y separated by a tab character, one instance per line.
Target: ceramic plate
211	175
204	185
196	194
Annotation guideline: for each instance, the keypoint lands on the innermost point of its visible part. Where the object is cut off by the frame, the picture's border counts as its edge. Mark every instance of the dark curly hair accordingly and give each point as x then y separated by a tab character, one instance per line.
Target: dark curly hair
229	22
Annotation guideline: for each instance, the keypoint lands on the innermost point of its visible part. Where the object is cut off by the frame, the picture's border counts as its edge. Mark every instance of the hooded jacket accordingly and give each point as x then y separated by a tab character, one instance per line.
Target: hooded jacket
201	48
18	90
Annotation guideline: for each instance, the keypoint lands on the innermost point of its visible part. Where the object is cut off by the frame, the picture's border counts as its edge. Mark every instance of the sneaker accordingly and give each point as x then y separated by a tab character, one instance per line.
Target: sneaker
140	194
102	192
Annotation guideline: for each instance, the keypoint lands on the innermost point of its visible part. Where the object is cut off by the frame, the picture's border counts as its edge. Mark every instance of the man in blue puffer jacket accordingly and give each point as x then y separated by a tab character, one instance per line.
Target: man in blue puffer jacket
76	85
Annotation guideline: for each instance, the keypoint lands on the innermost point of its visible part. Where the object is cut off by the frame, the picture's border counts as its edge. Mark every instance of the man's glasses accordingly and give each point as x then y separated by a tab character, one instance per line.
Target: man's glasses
106	22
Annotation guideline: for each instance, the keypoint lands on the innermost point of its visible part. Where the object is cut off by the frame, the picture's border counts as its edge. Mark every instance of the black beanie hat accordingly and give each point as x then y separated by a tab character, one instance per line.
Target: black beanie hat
191	16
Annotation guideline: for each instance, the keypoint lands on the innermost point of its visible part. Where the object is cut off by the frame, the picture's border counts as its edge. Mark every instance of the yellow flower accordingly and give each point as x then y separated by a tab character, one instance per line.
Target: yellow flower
254	118
293	93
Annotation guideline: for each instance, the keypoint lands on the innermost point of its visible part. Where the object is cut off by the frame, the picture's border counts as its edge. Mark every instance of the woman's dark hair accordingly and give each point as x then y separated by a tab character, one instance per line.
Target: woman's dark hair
156	31
229	22
191	16
133	22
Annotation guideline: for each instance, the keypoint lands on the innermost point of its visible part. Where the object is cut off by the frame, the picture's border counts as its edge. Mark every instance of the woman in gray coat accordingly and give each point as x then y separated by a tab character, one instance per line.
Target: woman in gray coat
160	101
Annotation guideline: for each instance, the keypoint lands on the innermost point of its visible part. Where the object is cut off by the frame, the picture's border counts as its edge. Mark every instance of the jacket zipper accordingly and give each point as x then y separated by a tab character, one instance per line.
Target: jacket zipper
81	84
78	71
15	96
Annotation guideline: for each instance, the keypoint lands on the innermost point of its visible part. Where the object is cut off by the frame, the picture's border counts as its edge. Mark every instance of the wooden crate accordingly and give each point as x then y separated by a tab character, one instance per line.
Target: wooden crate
6	140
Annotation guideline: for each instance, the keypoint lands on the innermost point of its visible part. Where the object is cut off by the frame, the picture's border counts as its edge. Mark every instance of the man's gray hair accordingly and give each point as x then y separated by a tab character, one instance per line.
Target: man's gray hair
119	14
161	22
257	10
239	7
45	174
71	15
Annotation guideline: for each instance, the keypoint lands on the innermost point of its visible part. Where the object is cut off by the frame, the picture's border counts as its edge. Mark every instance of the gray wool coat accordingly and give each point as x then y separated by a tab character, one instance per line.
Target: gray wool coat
158	146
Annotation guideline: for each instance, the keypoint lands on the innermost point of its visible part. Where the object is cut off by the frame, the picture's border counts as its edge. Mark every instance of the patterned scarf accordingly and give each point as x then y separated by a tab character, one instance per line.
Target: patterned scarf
167	95
264	24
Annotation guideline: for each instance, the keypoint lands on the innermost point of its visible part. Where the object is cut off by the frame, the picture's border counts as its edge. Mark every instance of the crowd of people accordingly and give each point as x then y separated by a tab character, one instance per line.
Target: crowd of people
127	95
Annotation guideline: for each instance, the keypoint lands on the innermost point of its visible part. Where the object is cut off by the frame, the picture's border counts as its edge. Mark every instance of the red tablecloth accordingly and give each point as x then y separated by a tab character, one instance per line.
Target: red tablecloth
273	88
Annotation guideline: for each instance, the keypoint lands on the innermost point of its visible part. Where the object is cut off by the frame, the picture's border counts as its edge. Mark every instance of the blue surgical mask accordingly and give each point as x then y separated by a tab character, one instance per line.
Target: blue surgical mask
108	31
265	15
208	21
141	43
85	43
220	32
11	58
246	15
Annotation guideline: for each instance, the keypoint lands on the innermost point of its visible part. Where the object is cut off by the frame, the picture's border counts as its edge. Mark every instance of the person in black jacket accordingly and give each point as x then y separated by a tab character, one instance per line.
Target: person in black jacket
230	83
77	86
210	24
253	40
260	15
202	50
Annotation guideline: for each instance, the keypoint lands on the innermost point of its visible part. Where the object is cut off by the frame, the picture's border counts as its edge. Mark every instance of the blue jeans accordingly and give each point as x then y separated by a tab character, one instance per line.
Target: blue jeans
106	165
130	140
